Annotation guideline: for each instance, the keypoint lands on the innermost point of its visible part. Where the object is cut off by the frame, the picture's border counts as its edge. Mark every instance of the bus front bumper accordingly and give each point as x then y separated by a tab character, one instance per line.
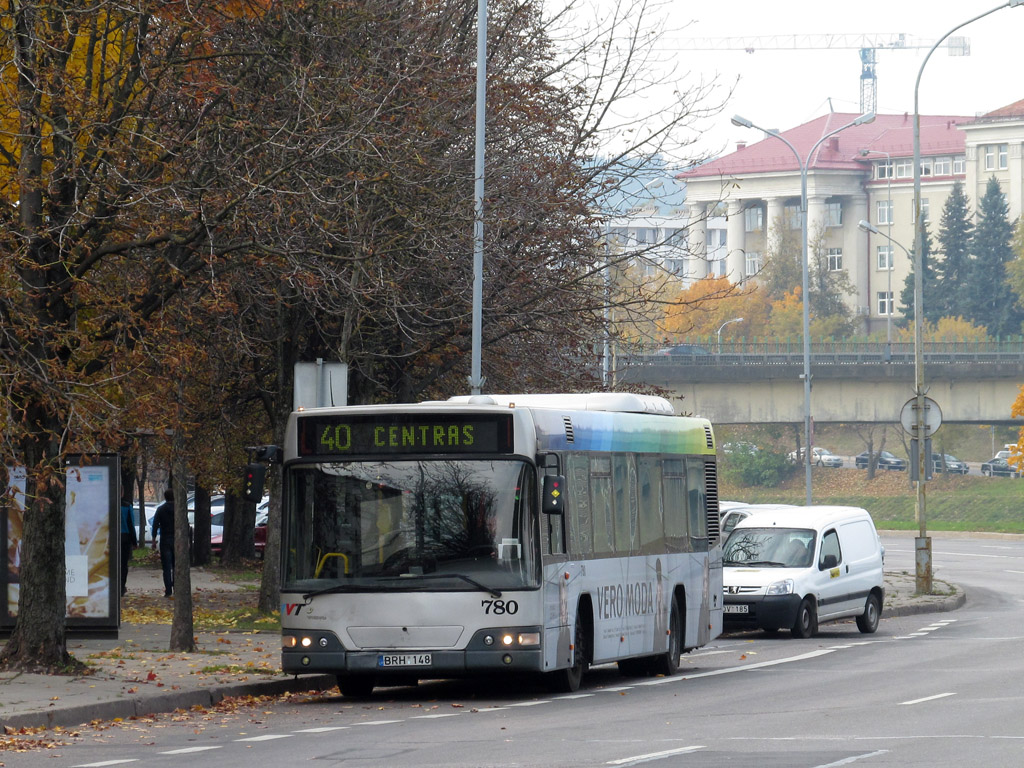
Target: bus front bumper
325	653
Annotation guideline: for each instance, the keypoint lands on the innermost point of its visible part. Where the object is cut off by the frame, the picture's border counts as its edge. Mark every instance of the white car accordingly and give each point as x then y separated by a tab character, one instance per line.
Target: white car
821	457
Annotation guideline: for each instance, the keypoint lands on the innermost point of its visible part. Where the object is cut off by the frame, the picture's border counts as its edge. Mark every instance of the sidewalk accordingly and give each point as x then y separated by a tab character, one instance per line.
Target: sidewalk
136	675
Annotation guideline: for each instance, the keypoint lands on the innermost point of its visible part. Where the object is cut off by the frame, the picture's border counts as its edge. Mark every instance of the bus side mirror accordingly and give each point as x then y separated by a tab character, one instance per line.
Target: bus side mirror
554	494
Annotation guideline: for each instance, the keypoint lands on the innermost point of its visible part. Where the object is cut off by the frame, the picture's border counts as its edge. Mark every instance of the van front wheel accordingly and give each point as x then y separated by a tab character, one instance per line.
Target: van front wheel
867	622
806	624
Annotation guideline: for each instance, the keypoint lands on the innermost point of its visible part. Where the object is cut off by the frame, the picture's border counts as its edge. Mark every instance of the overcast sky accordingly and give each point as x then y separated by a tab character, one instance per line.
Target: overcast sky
781	89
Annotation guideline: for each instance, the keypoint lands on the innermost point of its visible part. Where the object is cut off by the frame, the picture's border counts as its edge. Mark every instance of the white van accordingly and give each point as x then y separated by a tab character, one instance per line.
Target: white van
792	568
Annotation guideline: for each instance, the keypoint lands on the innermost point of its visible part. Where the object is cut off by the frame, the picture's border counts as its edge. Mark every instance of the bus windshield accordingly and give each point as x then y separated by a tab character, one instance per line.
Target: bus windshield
410	524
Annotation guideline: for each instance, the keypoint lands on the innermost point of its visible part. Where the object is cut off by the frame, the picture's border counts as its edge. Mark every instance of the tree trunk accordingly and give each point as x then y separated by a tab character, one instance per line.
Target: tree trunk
182	630
38	641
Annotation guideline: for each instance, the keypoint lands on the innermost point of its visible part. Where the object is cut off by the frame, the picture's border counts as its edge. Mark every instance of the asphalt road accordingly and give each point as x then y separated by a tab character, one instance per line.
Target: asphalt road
928	690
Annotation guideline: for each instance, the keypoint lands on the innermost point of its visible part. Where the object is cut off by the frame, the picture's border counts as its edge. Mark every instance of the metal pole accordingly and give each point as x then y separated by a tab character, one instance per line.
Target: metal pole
923	548
476	381
805	278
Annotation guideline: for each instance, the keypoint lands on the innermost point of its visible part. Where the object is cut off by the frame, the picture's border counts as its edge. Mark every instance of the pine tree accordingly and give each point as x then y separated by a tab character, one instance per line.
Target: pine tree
954	243
993	303
931	290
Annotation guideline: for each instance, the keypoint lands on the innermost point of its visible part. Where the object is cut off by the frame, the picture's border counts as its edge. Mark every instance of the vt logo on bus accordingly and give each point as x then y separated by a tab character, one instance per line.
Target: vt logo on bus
617	600
291	609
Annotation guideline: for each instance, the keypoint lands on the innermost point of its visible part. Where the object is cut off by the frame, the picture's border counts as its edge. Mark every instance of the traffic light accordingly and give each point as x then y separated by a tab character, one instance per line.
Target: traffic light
255	474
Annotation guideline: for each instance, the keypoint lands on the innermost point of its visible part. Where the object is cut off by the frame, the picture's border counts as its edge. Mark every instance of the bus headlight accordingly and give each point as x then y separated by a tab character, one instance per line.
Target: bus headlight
784	587
289	641
528	638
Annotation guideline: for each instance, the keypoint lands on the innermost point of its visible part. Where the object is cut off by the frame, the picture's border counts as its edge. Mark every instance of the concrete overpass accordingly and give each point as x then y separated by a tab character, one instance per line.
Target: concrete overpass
744	386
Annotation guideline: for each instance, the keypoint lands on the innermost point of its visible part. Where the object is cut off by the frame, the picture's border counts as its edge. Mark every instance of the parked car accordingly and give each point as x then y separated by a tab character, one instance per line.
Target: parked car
886	460
259	539
691	350
821	457
944	462
998	467
739	447
795	568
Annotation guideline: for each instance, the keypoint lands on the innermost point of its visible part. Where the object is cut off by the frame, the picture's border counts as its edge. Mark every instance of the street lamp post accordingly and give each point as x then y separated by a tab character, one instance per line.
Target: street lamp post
734	320
889	266
805	280
923	544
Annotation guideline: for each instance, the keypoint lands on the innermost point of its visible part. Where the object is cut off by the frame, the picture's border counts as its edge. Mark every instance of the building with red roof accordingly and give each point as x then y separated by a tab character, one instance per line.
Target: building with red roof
863	172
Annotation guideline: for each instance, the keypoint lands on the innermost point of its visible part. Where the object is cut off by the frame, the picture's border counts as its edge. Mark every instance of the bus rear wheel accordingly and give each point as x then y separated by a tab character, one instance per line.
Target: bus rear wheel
668	663
355	686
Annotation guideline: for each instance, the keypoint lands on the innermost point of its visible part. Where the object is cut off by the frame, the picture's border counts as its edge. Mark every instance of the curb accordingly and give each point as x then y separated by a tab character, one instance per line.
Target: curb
137	706
951	603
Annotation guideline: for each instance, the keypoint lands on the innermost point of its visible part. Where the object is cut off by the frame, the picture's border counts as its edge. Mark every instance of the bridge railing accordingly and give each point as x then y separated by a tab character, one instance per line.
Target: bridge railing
704	351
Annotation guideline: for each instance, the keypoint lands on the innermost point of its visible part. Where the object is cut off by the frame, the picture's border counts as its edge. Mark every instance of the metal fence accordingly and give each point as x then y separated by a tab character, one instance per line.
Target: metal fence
704	351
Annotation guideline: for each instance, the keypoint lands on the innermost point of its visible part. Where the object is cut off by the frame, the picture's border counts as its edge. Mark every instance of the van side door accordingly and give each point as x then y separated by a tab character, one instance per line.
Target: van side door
833	597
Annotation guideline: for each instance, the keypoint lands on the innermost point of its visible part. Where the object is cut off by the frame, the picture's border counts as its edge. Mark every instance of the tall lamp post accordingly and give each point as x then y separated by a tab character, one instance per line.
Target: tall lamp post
476	380
734	320
889	266
923	544
805	281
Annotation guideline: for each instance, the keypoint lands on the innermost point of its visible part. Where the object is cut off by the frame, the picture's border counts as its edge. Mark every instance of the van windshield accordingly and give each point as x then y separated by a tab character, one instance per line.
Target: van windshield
772	547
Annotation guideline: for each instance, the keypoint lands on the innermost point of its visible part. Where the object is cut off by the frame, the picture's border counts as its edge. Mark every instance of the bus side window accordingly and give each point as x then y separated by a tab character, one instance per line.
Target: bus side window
698	500
674	502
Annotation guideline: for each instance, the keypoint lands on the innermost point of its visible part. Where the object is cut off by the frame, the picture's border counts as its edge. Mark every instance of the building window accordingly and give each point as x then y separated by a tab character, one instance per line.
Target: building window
753	263
792	216
943	166
833	214
753	218
884	303
884	257
926	166
646	236
676	237
996	157
884	211
835	259
959	165
884	170
924	210
905	168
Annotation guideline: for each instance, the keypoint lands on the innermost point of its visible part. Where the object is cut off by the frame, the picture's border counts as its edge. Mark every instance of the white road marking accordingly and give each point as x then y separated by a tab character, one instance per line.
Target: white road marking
267	737
106	762
187	750
434	717
529	703
626	761
577	696
323	729
926	698
855	758
378	722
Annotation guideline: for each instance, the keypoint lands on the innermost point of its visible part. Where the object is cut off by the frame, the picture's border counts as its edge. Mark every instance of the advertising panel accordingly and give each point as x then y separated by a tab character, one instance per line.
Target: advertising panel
91	528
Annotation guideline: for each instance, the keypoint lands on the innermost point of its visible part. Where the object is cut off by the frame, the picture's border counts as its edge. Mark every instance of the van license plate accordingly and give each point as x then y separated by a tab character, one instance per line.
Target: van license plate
404	660
741	608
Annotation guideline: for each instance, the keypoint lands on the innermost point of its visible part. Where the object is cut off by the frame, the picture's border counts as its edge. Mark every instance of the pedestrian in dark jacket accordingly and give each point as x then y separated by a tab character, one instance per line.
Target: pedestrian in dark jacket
129	541
163	529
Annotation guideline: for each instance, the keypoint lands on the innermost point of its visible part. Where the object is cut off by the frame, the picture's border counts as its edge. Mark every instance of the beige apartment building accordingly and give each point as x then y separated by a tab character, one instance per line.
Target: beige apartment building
863	172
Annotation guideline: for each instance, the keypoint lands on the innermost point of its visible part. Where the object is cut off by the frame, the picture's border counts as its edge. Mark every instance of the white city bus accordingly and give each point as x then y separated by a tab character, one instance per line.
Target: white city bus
513	533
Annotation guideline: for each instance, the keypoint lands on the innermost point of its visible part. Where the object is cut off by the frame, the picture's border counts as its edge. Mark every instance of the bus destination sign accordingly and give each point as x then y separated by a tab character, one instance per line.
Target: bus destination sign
404	433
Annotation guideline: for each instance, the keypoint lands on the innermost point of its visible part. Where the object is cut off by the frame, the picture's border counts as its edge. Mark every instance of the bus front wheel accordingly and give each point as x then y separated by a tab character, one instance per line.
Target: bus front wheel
568	680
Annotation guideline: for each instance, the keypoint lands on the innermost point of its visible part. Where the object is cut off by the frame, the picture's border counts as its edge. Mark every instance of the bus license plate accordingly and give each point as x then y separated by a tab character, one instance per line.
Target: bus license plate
740	608
404	660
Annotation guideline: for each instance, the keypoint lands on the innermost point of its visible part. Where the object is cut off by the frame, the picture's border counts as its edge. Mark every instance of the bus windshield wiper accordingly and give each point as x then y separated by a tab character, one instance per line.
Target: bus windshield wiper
496	593
482	587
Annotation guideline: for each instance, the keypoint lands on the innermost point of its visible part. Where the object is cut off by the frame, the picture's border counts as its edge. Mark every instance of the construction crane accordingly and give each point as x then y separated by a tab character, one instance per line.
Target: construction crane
866	43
